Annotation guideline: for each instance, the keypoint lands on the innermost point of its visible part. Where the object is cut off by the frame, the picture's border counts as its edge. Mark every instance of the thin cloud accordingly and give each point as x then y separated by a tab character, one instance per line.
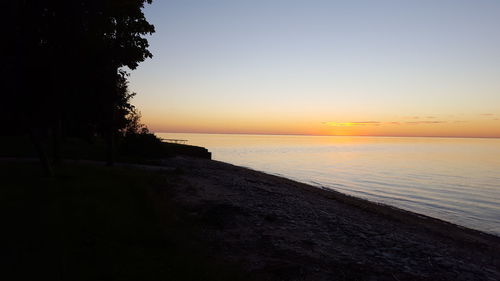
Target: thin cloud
367	122
349	124
425	122
378	123
487	114
420	117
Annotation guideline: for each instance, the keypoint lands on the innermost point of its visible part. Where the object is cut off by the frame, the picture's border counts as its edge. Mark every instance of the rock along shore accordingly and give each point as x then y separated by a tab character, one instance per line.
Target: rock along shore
279	229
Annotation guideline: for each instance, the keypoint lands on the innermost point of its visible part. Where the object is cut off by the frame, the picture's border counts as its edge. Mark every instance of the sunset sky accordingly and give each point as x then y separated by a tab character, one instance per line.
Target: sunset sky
392	68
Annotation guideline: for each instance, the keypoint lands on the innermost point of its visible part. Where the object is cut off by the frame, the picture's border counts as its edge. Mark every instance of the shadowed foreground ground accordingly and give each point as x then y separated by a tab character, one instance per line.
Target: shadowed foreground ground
206	220
92	222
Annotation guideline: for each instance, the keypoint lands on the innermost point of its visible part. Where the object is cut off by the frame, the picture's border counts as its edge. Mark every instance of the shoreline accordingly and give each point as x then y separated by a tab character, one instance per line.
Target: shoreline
434	224
384	209
278	228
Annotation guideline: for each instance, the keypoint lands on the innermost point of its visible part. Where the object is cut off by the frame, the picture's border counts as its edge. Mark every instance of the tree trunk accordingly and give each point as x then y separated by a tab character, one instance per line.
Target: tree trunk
56	141
35	140
110	159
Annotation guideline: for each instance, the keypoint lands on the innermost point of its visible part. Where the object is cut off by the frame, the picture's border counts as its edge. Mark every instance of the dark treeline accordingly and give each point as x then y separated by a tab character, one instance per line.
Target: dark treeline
65	68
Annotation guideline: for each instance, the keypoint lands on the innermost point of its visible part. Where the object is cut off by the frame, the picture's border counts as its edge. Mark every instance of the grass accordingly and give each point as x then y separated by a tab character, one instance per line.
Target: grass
96	223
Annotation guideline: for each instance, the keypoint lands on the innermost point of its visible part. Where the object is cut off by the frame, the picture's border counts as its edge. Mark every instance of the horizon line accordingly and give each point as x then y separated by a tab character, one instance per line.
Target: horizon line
314	135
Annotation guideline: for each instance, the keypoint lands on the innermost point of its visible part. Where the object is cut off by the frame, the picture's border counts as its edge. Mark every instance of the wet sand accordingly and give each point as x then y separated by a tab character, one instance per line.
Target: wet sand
279	229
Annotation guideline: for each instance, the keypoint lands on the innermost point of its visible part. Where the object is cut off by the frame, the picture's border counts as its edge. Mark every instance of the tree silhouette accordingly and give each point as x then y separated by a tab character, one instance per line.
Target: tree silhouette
116	30
65	66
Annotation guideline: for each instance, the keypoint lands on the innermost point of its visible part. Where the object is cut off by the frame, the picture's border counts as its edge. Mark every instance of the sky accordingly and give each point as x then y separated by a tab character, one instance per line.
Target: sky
353	67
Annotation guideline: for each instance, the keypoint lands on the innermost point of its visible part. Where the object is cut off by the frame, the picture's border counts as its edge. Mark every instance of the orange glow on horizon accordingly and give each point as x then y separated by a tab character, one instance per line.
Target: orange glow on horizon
479	127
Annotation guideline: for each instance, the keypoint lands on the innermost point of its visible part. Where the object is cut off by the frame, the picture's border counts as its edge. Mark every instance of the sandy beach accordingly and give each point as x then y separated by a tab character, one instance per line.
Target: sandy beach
279	229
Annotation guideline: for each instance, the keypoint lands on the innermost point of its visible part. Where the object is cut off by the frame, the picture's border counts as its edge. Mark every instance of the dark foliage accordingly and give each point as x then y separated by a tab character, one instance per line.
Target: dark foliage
136	147
64	64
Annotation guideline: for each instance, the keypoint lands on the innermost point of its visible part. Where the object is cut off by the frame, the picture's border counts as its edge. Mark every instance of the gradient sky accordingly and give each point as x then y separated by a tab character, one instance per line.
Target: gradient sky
353	67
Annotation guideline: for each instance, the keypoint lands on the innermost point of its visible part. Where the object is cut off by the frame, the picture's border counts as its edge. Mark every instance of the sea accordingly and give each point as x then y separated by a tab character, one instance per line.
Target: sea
452	179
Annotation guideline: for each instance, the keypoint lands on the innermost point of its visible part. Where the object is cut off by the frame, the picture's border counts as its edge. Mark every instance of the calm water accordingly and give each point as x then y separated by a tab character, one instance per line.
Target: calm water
457	180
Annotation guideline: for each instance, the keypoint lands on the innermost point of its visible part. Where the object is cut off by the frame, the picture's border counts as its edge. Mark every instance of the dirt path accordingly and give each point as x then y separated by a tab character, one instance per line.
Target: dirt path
278	229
